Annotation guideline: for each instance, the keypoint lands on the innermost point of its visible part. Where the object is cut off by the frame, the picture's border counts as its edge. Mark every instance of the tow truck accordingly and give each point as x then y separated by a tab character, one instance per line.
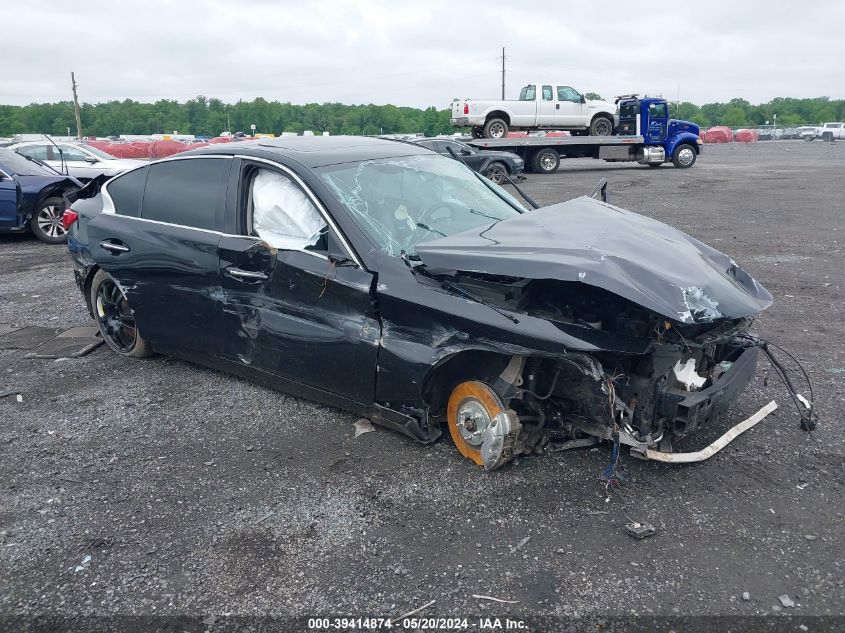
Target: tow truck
645	134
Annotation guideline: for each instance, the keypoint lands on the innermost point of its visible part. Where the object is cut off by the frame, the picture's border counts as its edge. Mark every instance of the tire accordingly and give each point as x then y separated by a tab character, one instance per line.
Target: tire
496	172
827	137
46	222
654	164
115	318
684	156
545	161
476	132
601	126
495	128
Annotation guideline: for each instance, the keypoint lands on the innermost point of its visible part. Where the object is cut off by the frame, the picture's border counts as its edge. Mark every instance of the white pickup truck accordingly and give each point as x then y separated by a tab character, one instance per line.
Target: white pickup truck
541	106
831	131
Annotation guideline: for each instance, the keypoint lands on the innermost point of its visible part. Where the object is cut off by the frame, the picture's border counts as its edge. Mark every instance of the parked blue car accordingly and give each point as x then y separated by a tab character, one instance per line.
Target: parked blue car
32	197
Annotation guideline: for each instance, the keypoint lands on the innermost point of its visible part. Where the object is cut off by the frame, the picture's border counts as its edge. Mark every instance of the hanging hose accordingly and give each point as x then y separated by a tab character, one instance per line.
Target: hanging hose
806	409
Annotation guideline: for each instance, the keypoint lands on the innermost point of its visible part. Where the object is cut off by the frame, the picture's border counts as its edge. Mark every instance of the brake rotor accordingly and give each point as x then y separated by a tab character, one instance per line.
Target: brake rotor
481	427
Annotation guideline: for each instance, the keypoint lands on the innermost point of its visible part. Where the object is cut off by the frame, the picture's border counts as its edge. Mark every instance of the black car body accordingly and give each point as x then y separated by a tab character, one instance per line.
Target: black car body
418	294
32	197
492	164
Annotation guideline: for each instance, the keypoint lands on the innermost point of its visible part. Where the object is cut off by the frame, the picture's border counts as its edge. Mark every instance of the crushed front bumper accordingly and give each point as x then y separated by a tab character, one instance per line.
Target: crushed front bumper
687	411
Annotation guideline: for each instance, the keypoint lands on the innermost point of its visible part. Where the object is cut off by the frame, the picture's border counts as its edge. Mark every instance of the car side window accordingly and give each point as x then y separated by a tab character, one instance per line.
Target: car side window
528	93
126	191
565	93
547	93
69	152
280	213
38	152
188	192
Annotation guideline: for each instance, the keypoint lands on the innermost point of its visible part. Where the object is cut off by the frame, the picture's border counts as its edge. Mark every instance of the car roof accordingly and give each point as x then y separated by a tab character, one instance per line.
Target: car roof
318	151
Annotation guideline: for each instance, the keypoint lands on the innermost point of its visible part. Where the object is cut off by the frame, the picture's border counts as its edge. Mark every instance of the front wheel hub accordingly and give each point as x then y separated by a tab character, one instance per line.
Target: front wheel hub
482	429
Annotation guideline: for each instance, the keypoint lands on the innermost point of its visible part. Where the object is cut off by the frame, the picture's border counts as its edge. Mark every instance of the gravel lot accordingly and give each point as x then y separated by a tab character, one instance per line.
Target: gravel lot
197	493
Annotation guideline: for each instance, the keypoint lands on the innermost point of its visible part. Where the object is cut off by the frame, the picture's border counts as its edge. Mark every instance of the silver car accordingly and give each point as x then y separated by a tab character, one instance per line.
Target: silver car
81	161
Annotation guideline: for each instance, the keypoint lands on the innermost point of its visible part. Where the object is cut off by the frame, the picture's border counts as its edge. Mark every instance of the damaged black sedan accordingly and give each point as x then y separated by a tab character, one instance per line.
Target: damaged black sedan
382	278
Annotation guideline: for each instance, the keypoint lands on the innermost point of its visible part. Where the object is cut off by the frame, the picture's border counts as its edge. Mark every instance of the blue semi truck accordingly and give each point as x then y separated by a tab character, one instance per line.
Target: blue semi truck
644	133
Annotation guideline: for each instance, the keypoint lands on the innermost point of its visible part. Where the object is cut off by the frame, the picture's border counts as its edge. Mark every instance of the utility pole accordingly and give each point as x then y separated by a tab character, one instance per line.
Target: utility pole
76	108
503	73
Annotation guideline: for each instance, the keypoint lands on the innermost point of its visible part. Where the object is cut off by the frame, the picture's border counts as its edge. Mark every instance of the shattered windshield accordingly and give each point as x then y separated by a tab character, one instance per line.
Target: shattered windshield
400	202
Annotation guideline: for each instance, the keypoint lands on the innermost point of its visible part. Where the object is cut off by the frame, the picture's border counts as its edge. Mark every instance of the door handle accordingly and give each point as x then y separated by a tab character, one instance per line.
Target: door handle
557	106
114	248
247	275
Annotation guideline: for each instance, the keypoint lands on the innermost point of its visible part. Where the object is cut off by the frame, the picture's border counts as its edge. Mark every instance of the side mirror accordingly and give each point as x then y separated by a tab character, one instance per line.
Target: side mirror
92	160
583	99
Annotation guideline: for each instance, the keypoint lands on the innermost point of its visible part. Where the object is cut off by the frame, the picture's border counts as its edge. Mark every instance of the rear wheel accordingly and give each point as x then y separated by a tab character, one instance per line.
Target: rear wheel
496	172
115	318
684	156
601	126
495	128
546	161
476	132
46	223
827	136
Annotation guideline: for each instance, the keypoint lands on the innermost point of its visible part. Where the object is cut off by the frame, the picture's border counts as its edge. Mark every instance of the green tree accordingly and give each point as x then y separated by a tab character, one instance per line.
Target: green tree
593	96
734	116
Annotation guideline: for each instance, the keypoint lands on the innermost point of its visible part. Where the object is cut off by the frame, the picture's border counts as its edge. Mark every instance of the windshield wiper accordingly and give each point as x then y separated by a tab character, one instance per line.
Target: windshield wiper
486	215
429	229
472	297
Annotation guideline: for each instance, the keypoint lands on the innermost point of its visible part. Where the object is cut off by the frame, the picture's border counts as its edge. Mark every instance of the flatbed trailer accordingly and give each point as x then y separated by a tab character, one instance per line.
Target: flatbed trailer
645	135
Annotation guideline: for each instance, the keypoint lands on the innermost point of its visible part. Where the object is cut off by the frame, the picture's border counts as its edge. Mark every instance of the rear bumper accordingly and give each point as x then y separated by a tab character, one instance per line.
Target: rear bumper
688	411
461	121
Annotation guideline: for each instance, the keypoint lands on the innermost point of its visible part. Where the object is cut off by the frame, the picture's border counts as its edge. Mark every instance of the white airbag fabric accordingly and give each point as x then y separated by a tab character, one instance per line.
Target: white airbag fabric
282	215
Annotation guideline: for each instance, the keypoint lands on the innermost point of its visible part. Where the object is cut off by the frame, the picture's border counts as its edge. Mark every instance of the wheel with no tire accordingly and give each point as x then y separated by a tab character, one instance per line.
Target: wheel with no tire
46	222
684	156
480	425
601	126
496	171
495	128
115	318
546	161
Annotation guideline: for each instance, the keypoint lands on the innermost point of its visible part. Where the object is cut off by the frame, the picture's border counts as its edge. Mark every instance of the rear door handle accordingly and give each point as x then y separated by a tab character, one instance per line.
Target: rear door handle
246	275
115	248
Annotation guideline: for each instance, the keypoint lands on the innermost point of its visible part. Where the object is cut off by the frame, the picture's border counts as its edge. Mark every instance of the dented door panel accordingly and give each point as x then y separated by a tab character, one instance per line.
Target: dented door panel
169	275
308	321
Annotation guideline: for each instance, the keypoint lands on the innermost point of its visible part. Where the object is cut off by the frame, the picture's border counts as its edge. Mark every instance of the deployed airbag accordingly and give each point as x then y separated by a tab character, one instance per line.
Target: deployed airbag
282	215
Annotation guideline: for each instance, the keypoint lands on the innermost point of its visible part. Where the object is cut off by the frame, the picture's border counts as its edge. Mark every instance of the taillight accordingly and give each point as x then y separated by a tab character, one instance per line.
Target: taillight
68	218
466	108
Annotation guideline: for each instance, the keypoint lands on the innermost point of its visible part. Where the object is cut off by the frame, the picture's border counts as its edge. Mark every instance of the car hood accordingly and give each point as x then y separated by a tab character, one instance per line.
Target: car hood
34	184
588	241
505	156
124	164
601	104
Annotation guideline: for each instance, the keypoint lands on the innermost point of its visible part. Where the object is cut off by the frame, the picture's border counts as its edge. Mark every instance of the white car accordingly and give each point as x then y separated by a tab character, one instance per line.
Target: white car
81	161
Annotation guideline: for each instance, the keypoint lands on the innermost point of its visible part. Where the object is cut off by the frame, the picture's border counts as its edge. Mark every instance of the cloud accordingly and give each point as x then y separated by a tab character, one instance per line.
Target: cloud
417	53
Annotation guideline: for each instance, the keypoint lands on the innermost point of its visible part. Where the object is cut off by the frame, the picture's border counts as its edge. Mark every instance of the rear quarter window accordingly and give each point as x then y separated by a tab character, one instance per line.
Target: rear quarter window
189	192
126	191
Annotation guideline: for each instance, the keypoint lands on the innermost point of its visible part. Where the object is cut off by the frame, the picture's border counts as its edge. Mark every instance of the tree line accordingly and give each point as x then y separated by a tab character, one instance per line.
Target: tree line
210	116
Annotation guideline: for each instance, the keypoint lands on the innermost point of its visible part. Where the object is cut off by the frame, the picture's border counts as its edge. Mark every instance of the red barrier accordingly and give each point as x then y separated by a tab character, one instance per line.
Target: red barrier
219	139
718	134
747	136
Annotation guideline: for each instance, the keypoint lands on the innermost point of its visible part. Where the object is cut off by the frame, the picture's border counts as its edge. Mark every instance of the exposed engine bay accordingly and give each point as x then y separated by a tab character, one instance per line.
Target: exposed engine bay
683	378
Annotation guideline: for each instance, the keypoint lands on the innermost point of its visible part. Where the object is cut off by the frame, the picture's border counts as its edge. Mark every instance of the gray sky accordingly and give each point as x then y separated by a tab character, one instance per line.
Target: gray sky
420	53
